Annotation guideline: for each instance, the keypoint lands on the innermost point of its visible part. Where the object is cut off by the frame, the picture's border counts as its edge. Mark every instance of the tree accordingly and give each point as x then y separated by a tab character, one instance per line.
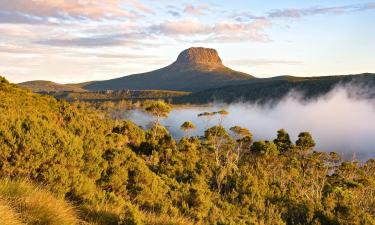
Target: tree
261	148
158	110
282	141
187	126
222	114
206	117
3	80
243	139
305	143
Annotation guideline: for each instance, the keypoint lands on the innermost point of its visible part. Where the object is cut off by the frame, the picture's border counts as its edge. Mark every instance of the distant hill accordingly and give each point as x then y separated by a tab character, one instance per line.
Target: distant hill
195	69
274	89
198	76
49	86
97	96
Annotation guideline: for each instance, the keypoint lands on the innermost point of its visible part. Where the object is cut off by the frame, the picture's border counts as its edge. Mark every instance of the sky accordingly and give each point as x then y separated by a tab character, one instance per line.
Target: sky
69	41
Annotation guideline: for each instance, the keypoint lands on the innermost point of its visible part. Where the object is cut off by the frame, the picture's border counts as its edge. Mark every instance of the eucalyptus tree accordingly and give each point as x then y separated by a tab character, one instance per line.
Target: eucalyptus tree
187	127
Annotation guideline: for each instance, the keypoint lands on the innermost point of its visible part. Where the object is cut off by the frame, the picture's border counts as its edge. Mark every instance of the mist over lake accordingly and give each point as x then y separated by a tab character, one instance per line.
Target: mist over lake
338	121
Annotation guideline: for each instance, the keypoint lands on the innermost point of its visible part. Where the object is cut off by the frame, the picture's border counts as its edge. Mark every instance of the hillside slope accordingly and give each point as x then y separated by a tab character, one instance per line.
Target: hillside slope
273	89
195	69
117	173
49	86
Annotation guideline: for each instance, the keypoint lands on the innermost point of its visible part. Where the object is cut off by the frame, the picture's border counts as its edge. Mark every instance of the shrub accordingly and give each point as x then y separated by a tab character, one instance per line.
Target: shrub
131	216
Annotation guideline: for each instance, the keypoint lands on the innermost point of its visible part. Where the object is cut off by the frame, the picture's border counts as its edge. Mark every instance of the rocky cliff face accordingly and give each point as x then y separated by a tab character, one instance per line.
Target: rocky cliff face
198	58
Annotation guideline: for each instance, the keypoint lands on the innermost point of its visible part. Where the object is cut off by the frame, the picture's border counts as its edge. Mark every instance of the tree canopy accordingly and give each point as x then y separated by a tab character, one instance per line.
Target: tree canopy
115	172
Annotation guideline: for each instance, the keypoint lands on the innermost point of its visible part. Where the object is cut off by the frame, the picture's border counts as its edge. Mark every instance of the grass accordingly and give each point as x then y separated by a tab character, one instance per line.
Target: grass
109	215
8	216
23	203
30	204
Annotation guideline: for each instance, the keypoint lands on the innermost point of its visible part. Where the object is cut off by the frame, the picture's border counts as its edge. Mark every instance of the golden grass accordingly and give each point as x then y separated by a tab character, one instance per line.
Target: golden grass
104	215
8	216
109	215
36	206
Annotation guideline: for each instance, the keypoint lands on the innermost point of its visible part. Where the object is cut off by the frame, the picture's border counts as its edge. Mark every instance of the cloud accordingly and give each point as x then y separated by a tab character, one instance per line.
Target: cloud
42	11
336	121
197	10
174	13
298	13
180	27
263	62
116	39
235	31
220	31
245	16
17	17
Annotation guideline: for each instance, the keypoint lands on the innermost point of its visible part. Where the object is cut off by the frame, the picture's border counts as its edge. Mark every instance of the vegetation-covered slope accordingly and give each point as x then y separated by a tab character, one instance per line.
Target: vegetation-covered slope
119	95
195	69
273	89
117	173
48	86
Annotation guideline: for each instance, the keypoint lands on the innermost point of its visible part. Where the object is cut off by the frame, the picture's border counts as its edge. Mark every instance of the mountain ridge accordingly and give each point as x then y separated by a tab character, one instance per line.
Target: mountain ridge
195	69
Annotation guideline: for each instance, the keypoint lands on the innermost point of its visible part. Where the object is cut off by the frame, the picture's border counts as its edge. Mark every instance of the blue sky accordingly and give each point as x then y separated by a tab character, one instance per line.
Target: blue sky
74	40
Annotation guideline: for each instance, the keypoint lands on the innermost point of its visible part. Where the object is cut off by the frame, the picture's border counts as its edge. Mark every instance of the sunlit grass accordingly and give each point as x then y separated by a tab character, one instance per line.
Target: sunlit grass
34	205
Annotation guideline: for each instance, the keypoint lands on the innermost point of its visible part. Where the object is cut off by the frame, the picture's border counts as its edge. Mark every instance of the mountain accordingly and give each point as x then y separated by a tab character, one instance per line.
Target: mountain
195	69
275	88
48	86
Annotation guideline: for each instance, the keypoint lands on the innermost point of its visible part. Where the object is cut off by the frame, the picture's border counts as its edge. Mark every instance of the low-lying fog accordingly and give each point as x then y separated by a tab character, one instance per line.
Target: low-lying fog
339	121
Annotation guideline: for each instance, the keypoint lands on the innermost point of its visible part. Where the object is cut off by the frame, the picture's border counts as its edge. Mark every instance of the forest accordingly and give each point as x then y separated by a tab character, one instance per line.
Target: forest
70	163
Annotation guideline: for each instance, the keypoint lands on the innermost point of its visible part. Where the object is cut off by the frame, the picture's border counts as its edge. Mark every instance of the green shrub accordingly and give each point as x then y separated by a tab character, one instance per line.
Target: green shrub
131	216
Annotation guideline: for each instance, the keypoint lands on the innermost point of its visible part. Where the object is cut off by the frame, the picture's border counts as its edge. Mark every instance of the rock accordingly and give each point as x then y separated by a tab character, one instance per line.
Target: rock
198	57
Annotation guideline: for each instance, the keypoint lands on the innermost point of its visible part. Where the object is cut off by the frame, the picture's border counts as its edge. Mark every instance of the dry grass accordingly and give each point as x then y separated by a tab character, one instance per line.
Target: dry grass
109	215
36	206
8	216
104	215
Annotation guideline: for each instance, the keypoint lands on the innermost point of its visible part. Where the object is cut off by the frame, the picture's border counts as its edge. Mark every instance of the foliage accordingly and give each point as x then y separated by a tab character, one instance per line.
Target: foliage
115	172
272	90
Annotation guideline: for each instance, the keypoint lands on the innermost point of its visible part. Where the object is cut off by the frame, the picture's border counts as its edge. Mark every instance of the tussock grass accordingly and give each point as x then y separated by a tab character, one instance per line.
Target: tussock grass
110	215
101	215
34	205
8	216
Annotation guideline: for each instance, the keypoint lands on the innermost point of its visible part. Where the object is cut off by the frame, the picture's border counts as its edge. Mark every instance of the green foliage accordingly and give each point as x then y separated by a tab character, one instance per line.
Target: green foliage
283	141
188	125
131	216
158	109
117	173
3	80
305	142
265	91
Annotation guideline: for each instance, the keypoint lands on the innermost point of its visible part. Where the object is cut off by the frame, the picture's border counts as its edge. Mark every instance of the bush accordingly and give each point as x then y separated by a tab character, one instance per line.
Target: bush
131	216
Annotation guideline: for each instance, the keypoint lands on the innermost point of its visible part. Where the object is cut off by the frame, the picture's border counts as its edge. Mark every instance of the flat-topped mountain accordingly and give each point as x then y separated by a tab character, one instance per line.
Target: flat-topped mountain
198	58
195	69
